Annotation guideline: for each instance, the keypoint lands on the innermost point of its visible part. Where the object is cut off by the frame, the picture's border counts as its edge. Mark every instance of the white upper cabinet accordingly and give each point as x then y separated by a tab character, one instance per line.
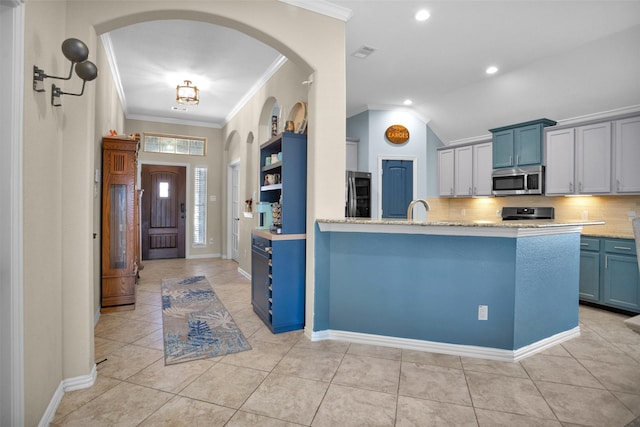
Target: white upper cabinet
445	172
626	148
560	157
482	168
464	171
578	160
593	158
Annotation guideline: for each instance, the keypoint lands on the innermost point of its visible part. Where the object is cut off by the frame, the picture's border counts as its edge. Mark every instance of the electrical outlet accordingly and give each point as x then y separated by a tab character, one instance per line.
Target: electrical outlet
585	215
463	212
483	312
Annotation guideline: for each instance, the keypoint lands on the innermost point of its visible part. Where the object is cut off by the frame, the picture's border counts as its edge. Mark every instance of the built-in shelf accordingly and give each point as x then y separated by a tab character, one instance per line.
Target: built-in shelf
271	187
272	166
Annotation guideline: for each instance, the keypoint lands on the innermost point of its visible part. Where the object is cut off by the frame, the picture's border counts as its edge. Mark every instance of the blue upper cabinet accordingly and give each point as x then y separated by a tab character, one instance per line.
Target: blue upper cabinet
519	145
283	179
503	149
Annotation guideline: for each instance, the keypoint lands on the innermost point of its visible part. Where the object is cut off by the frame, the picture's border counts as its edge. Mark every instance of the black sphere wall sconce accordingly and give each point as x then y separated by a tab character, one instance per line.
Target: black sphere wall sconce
76	52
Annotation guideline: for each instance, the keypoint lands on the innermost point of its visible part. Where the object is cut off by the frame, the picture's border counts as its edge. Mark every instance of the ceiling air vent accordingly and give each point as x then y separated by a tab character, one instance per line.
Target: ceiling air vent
363	52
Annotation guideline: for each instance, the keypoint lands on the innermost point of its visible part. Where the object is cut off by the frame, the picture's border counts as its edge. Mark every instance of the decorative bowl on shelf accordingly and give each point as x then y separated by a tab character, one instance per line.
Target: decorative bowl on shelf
298	116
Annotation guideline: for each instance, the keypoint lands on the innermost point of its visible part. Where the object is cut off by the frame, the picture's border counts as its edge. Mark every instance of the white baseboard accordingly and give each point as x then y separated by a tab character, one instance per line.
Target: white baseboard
83	381
70	384
203	256
244	273
445	348
537	347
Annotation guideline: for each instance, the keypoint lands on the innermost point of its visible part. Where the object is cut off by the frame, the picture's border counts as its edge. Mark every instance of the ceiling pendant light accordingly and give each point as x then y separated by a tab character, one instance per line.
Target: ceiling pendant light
187	94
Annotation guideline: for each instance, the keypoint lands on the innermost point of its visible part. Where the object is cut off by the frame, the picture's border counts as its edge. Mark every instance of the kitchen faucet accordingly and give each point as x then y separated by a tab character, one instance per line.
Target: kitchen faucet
412	204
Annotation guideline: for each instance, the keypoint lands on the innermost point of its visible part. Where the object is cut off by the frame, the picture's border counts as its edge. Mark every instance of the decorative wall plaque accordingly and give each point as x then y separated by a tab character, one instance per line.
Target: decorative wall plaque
397	134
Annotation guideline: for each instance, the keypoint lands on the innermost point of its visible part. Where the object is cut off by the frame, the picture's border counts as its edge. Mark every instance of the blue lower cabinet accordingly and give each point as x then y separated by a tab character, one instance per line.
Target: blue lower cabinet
278	282
615	280
589	276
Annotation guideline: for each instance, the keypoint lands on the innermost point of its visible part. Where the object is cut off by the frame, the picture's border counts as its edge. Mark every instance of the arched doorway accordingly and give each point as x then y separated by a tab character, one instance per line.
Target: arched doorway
311	40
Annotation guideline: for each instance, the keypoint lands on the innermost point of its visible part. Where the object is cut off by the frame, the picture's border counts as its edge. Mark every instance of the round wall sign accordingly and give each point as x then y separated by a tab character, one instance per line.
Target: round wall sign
397	134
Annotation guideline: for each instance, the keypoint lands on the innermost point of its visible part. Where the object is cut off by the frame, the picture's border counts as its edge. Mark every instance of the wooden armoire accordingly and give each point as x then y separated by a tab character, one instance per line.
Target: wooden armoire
120	235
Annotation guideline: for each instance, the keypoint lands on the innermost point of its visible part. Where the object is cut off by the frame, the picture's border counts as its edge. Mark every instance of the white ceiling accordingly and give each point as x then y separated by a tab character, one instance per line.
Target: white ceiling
556	59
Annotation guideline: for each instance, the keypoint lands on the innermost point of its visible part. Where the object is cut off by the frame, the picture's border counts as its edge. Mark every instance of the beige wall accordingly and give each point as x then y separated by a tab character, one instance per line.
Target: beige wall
212	161
254	118
42	197
61	152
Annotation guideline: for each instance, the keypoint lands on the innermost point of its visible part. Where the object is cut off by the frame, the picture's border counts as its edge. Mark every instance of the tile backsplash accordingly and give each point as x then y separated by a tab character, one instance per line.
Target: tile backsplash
616	211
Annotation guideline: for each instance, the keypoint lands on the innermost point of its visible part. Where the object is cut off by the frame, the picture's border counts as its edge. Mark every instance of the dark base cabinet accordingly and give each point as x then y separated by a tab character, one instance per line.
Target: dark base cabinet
278	280
609	273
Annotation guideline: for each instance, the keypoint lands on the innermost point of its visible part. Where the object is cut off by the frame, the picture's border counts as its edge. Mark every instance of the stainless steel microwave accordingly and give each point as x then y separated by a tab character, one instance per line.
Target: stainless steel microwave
518	181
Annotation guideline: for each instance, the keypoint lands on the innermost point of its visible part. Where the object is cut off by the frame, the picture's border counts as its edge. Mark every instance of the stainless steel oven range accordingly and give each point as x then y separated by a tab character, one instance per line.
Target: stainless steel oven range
523	213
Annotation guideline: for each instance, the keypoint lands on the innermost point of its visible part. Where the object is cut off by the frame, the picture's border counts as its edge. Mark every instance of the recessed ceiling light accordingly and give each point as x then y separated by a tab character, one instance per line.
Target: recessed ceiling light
422	15
407	102
492	70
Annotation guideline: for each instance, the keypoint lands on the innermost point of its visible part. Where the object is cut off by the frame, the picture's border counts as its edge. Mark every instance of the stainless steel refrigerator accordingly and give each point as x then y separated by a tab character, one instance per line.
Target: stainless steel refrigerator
358	195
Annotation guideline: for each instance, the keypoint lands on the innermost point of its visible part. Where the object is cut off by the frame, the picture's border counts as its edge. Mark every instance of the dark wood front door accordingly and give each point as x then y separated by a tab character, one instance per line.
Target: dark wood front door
163	211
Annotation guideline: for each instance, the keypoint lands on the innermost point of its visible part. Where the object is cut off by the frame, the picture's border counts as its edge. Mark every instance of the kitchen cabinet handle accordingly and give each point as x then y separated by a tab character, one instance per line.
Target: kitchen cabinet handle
618	185
510	159
475	190
518	159
571	187
584	244
624	248
470	192
606	261
580	186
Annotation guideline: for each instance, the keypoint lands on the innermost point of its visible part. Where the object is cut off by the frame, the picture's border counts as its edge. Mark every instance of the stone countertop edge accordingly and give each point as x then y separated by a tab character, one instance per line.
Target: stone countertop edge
267	234
499	224
508	229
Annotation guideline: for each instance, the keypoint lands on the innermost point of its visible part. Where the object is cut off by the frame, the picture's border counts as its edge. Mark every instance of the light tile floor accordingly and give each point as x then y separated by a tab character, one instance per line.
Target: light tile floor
286	380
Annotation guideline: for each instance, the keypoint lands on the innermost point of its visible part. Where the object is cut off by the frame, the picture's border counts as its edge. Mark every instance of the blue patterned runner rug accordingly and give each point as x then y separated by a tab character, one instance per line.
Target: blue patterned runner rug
196	325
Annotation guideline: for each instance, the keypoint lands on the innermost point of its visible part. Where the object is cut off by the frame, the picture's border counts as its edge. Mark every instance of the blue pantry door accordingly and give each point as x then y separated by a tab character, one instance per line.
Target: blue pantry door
397	187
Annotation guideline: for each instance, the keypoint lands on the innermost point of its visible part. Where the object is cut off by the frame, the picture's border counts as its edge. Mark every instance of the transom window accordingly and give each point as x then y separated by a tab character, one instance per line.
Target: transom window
173	144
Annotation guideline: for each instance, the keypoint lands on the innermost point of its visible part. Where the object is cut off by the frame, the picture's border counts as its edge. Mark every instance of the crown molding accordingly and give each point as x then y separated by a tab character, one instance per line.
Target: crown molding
113	66
362	109
323	7
159	119
273	68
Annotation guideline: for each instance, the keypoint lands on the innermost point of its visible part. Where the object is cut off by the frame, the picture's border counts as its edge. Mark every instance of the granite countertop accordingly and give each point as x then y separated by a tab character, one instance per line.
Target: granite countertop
545	223
510	229
594	232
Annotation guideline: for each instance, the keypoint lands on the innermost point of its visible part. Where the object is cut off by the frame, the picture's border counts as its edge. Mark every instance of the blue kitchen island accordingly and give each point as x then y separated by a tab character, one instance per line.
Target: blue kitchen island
426	285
